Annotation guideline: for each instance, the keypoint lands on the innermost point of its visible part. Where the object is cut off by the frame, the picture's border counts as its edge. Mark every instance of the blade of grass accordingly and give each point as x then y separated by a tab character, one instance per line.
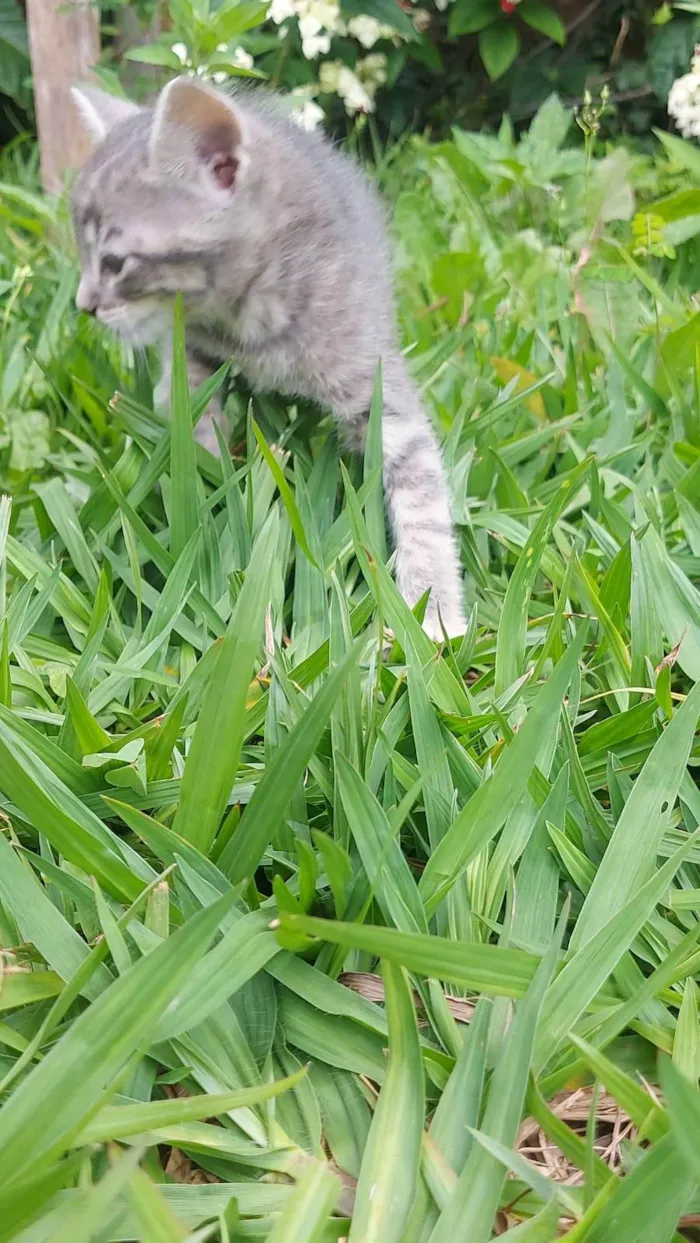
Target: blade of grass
53	1103
214	753
117	1121
487	809
386	1184
483	968
476	1196
284	771
512	626
183	463
306	1213
647	813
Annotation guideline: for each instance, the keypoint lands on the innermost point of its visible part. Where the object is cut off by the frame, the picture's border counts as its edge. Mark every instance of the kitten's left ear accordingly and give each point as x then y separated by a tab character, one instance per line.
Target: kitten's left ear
194	123
100	111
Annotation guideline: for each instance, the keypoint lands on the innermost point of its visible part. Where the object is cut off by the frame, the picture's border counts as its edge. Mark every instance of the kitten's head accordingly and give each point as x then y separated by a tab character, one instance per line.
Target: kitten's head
152	205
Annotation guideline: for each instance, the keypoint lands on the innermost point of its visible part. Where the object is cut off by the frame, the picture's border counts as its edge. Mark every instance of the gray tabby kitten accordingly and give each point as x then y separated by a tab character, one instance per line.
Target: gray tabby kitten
278	246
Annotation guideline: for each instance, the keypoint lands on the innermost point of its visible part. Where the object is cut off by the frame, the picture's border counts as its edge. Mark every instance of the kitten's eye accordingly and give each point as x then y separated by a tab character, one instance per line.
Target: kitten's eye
113	264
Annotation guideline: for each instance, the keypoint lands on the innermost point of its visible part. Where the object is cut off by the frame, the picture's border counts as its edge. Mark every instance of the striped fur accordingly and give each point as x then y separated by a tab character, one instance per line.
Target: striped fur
279	247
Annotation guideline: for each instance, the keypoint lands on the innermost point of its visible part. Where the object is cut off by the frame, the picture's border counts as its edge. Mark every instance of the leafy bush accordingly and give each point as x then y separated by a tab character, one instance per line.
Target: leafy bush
14	51
416	64
224	809
344	33
447	61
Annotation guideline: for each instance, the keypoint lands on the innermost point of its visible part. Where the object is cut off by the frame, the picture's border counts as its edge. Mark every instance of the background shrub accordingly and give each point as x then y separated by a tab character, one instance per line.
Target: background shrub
414	65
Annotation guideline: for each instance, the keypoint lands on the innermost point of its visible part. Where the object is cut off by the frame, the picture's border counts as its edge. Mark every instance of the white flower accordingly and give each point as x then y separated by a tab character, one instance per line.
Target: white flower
684	100
356	89
280	10
309	116
328	76
319	20
353	94
365	29
237	58
325	12
182	52
372	69
314	39
241	59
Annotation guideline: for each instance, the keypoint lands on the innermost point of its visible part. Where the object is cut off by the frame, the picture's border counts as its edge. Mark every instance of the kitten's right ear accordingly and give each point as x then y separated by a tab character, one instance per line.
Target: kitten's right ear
99	111
198	129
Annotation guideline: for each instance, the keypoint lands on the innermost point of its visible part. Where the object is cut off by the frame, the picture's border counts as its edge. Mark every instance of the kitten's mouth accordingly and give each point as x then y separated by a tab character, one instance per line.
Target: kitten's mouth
140	324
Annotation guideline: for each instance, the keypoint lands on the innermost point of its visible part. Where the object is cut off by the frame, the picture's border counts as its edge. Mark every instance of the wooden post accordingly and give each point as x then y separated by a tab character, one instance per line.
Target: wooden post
64	42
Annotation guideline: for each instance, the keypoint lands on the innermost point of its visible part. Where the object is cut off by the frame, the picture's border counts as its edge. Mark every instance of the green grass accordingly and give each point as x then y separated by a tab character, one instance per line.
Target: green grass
225	808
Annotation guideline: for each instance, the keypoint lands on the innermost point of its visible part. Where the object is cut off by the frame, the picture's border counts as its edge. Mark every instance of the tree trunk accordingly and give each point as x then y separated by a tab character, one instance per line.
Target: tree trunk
64	42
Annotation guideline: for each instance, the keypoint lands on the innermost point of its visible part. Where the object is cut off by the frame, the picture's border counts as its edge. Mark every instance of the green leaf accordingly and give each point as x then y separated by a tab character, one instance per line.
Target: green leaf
445	688
591	961
54	1101
232	19
487	809
634	1099
64	820
57	503
386	1186
477	1193
388	12
385	866
82	1220
542	17
499	45
117	1121
306	1213
682	152
287	495
24	988
244	950
683	1104
483	968
41	923
470	16
544	1228
345	1114
647	1203
686	1042
375	516
213	757
13	29
634	845
512	627
266	810
183	468
154	54
677	602
460	1103
156	1220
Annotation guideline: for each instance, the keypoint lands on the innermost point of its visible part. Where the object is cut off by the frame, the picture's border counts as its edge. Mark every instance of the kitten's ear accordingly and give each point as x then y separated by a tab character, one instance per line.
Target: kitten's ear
195	124
99	111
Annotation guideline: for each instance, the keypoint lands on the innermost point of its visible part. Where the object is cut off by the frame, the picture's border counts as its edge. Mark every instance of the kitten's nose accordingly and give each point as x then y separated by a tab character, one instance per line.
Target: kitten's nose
87	297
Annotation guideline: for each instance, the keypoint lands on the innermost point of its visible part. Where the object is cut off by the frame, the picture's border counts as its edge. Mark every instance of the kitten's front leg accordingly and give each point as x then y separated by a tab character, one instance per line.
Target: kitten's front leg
197	372
417	499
